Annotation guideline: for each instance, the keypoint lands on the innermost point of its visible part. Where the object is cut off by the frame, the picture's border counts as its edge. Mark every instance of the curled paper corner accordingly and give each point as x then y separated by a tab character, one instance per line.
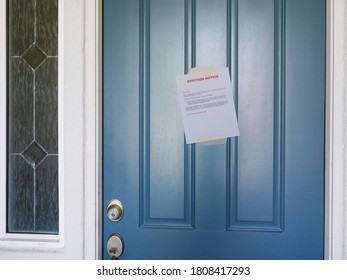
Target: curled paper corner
211	140
203	70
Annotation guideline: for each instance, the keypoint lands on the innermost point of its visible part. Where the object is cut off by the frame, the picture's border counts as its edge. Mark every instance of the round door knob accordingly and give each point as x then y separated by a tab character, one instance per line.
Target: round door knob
115	210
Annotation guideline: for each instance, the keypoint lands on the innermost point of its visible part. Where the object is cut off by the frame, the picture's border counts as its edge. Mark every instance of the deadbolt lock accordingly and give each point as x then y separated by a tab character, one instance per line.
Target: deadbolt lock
115	210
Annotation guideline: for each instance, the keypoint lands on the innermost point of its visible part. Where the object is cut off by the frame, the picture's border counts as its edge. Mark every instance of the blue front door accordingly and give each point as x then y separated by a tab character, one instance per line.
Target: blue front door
257	196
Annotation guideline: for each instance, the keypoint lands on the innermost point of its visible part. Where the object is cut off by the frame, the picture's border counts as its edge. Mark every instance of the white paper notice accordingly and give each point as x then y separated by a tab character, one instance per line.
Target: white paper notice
207	106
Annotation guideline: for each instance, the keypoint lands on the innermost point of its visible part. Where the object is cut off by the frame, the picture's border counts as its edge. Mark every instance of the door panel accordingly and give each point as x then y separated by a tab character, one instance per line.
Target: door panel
165	188
257	196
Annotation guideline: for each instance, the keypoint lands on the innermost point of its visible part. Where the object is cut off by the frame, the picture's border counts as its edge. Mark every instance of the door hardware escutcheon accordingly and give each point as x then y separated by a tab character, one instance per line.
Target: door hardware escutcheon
115	246
115	210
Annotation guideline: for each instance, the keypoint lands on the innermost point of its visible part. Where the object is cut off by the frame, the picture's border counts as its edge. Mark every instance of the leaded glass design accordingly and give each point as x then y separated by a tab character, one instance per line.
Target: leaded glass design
32	137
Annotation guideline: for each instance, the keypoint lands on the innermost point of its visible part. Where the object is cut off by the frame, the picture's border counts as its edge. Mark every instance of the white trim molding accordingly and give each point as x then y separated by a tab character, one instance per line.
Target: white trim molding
336	132
92	128
3	112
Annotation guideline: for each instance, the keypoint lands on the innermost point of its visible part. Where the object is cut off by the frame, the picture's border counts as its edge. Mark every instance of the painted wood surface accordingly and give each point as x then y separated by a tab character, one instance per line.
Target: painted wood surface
259	196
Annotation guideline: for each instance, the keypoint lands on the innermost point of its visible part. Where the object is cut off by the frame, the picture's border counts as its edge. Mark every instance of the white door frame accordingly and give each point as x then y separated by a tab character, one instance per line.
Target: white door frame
336	131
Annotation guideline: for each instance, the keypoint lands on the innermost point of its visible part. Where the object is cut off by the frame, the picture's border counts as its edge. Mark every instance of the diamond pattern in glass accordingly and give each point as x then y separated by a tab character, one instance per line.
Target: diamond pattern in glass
34	56
34	154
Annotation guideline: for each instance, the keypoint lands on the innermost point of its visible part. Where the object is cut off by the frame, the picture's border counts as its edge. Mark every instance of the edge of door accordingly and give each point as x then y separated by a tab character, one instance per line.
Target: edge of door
336	130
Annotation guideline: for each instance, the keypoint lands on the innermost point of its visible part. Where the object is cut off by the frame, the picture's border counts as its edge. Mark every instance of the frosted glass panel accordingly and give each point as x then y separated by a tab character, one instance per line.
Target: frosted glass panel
32	184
